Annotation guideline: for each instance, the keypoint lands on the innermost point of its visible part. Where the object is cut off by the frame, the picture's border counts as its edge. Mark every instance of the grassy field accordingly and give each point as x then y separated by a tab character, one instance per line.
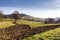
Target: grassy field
5	24
9	22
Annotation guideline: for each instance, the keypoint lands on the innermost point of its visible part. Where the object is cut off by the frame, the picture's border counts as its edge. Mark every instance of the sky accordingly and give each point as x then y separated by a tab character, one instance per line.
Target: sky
36	8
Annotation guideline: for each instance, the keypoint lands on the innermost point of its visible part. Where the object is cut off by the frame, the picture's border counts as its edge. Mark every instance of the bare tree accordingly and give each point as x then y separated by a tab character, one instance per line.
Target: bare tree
16	16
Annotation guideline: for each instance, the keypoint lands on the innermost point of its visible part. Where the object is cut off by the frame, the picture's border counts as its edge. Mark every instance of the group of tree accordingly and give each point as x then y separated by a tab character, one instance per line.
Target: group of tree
51	21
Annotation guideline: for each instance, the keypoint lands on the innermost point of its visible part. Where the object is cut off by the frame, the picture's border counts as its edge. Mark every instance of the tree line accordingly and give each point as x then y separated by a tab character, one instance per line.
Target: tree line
52	21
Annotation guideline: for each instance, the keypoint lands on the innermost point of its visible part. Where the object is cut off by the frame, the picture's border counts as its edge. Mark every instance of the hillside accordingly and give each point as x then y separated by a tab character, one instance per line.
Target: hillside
21	15
24	17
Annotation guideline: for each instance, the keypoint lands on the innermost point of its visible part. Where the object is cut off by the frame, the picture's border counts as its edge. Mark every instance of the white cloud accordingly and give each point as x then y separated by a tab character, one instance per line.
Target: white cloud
45	13
47	4
56	3
52	4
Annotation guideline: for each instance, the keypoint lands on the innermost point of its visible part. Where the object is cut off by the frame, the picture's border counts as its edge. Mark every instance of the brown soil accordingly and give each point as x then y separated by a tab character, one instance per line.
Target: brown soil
16	32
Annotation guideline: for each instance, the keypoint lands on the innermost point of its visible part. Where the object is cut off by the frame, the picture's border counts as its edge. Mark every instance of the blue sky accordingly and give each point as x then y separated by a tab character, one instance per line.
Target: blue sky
36	8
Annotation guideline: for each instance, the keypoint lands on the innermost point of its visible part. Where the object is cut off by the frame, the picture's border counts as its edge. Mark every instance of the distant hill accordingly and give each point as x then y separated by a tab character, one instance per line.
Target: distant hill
21	15
24	17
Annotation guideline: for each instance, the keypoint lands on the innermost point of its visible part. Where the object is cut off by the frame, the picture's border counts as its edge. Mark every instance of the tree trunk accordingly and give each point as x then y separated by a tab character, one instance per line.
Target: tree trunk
15	21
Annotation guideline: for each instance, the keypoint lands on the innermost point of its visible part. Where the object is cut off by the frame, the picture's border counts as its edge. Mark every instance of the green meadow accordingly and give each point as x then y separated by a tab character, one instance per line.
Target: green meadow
9	22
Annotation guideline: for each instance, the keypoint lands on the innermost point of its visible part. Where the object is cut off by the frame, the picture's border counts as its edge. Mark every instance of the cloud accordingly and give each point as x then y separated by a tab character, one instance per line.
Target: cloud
57	3
50	4
53	4
45	13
